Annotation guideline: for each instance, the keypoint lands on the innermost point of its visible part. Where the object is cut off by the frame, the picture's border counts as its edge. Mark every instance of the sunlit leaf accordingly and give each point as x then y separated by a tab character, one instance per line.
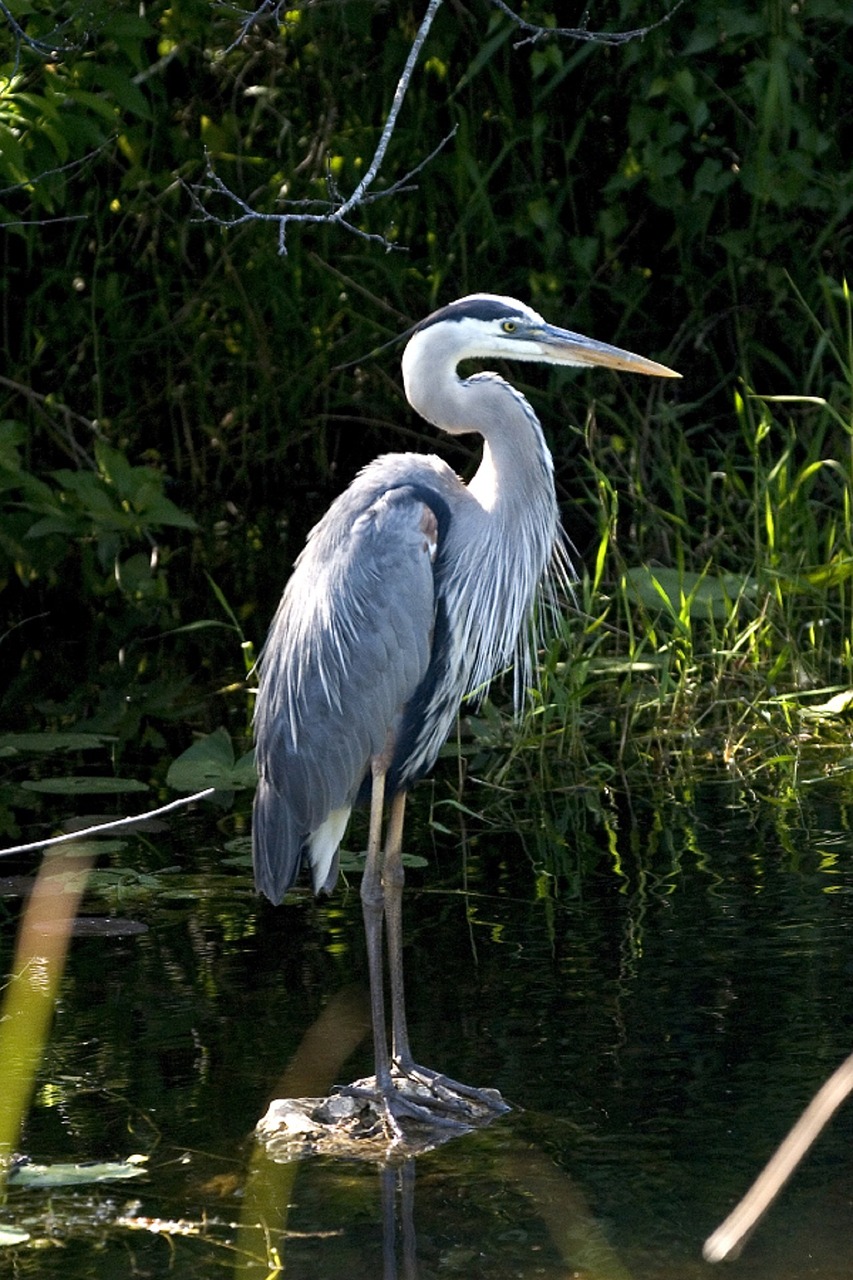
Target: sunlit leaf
702	595
840	704
26	1174
92	848
10	1236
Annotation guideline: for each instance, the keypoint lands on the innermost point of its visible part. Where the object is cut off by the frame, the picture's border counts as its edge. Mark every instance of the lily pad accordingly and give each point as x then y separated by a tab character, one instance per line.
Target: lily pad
14	743
106	927
27	1174
354	862
704	595
80	786
91	848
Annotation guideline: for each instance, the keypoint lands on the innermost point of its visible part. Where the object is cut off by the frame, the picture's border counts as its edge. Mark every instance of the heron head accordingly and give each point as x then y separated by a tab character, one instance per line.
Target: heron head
486	325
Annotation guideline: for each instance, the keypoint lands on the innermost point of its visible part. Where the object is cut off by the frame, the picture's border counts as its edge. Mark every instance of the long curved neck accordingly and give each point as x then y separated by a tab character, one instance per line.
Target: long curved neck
516	466
506	538
516	460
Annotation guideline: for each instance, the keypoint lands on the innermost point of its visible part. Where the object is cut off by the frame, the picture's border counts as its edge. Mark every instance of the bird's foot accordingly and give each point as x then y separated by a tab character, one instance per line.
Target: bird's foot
451	1095
414	1094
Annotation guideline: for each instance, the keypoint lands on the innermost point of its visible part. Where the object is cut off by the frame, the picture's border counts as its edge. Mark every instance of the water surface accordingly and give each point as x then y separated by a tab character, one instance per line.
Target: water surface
657	1021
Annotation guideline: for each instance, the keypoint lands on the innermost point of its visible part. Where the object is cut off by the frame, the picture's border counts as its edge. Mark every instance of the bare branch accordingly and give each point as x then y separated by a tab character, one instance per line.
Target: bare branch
29	183
51	48
266	9
336	210
390	123
538	33
727	1240
50	410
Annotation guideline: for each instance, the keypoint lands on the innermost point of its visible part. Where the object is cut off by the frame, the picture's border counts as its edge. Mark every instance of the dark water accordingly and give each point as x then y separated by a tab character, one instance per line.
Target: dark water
658	1022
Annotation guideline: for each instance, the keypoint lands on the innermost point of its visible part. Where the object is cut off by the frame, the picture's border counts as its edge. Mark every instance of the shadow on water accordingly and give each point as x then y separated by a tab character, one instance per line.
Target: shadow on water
658	1024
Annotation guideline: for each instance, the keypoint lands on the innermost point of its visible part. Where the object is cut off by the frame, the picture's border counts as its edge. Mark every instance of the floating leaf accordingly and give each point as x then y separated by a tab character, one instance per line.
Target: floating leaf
77	786
240	862
10	1236
93	848
839	704
106	927
12	743
354	862
27	1174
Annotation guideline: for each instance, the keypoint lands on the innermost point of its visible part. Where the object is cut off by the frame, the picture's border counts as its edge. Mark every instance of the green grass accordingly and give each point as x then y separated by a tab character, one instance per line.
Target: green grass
712	633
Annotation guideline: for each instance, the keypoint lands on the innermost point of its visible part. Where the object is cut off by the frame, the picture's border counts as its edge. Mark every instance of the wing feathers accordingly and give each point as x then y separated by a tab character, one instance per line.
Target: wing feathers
347	650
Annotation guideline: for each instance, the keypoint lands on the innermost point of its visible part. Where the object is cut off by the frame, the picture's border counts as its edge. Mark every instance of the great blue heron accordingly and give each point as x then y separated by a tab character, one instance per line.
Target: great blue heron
413	591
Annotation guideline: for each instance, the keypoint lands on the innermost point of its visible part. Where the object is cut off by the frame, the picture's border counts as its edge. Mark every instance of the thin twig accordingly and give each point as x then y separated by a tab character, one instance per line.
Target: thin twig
390	123
108	826
581	33
44	48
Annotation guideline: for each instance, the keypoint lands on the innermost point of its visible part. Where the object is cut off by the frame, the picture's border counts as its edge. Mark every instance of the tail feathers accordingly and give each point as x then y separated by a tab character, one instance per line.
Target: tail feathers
323	846
280	845
277	844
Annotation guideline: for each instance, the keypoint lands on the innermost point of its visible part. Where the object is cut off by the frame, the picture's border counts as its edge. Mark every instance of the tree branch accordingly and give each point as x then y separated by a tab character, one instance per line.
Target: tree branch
580	33
44	48
336	209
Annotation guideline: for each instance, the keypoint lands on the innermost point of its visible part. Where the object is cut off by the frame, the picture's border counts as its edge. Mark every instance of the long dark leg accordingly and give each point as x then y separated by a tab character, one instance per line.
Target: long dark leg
448	1095
372	906
393	876
446	1102
393	1101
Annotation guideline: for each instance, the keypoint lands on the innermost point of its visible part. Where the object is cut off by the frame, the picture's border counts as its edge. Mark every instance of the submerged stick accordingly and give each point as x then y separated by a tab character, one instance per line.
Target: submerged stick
726	1240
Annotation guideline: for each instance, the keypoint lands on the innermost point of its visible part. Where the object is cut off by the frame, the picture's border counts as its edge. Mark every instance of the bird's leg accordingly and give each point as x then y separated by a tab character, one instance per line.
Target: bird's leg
448	1096
372	907
403	1089
393	877
392	1101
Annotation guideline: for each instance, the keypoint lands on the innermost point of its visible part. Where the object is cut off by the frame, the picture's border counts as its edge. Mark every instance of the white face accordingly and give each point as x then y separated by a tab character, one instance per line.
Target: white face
489	326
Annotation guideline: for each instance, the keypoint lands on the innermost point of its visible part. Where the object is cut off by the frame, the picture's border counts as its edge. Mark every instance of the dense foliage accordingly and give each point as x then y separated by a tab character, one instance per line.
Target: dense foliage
179	401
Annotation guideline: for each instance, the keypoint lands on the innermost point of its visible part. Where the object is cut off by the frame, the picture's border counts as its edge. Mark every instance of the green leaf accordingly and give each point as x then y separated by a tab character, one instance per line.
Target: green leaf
840	704
210	762
123	91
245	774
78	786
116	469
703	595
69	526
12	743
27	1174
160	510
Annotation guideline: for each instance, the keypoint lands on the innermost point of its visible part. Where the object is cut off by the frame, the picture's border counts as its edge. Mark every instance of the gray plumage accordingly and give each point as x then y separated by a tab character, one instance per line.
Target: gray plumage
413	591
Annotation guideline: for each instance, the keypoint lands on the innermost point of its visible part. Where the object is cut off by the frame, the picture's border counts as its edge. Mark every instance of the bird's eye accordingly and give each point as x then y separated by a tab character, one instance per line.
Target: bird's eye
509	326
